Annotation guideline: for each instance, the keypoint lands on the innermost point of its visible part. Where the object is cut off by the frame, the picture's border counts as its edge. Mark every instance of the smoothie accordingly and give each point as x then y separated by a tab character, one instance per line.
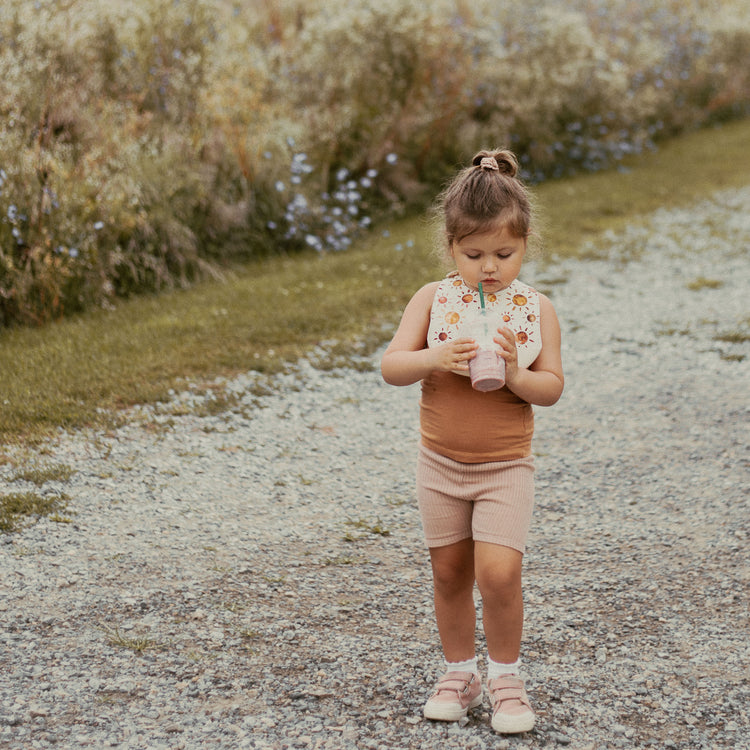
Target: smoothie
487	370
487	367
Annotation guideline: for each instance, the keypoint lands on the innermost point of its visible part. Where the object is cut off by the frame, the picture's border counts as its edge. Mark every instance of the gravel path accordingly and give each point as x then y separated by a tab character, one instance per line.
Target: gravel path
257	578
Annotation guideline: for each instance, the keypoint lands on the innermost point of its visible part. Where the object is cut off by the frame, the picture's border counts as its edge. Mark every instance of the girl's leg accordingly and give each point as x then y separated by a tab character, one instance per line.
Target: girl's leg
453	577
498	574
499	577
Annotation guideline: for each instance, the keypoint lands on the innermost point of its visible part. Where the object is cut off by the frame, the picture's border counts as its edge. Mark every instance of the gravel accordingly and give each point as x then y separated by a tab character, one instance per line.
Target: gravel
256	578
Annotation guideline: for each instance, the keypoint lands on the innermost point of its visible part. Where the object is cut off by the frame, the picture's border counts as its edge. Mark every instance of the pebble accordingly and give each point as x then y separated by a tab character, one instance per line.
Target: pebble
257	579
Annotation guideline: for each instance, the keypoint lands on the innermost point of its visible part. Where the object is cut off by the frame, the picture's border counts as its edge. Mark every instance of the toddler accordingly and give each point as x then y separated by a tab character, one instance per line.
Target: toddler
475	470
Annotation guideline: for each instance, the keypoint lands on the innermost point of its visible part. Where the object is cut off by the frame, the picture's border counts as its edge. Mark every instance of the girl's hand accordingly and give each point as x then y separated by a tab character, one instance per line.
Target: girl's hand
454	356
507	340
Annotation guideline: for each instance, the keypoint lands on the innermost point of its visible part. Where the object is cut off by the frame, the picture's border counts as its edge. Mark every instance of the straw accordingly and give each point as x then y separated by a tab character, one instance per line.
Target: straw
481	295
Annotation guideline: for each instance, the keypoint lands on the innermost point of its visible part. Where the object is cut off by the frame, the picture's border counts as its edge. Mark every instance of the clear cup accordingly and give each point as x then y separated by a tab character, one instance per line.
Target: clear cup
487	367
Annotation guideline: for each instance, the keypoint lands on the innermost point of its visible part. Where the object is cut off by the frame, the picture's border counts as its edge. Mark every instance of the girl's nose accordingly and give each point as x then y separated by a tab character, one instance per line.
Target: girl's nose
488	266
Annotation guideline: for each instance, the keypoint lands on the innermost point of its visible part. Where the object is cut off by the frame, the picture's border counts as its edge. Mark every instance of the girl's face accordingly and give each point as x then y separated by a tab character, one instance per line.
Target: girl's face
493	257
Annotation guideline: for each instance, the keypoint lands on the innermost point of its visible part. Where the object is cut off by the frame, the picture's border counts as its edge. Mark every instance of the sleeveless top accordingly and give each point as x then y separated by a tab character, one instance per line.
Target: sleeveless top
455	420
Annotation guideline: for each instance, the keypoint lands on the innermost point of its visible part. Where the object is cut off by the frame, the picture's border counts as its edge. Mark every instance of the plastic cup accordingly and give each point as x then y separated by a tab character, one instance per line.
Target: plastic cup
487	367
487	371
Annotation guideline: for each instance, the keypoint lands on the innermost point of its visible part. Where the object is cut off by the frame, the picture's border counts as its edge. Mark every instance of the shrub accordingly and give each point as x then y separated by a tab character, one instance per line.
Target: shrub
145	143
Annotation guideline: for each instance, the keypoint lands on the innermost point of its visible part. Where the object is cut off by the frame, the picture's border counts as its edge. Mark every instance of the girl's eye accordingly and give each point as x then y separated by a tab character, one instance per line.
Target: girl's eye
473	257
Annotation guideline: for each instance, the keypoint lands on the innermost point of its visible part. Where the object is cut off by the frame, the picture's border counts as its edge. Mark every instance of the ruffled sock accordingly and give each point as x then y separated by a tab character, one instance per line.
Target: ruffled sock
470	665
497	669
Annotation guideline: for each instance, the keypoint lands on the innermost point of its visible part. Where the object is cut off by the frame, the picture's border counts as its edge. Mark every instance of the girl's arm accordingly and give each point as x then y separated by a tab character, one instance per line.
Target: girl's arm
542	383
408	360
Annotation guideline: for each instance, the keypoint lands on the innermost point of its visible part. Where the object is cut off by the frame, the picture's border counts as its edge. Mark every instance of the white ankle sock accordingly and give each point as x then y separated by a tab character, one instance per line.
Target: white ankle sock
497	669
470	665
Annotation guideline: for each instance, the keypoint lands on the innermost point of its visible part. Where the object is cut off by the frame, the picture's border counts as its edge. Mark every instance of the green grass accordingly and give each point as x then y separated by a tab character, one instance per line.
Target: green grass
682	171
39	475
18	509
81	371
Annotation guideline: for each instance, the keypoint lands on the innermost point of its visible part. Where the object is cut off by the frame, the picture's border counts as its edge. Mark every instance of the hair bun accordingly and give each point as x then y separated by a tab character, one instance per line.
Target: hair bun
501	160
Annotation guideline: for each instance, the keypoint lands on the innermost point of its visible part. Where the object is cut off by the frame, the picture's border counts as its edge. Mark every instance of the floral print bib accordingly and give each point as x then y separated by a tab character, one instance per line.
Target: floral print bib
455	304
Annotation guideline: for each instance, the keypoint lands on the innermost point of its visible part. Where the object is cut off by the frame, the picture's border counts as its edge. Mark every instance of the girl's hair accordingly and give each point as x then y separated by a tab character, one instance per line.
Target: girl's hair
485	196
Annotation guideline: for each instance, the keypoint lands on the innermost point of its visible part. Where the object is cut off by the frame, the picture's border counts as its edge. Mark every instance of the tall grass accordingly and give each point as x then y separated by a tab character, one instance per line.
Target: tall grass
147	144
332	307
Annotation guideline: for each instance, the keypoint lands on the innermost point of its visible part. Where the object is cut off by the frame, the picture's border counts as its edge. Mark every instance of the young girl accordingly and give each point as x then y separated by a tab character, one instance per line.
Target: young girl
475	470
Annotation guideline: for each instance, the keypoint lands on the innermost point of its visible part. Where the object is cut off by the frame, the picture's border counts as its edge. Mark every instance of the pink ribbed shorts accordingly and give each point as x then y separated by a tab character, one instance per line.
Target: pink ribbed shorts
489	502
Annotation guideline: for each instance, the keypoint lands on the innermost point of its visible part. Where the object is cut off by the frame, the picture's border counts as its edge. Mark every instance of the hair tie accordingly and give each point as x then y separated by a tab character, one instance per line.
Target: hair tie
489	163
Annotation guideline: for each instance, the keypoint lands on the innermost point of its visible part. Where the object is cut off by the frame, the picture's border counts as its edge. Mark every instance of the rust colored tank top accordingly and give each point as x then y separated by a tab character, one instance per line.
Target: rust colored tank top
457	421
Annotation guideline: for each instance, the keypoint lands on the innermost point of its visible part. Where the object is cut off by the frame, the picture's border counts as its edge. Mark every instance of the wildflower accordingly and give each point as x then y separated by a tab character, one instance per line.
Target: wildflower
342	174
73	252
314	241
280	187
392	158
99	225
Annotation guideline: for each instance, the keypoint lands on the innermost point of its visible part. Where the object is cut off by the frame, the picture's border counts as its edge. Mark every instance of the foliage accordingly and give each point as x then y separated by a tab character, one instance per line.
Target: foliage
148	144
180	351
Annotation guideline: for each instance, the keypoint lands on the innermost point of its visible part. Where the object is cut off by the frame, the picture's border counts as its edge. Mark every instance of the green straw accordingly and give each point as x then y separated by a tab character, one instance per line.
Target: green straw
481	295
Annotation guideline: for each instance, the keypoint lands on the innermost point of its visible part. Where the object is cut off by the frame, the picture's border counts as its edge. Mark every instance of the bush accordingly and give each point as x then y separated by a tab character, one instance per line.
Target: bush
147	144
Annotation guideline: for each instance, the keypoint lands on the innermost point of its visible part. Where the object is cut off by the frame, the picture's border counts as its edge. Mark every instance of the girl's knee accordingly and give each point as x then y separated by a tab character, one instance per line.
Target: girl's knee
499	574
449	580
452	567
498	582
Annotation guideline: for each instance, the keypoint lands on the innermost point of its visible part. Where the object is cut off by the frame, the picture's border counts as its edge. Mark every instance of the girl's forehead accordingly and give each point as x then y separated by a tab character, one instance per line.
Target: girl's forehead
490	235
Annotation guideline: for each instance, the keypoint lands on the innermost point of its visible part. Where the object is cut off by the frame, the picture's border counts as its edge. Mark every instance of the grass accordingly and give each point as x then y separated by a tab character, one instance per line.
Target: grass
703	283
682	171
334	308
364	528
17	509
39	475
137	643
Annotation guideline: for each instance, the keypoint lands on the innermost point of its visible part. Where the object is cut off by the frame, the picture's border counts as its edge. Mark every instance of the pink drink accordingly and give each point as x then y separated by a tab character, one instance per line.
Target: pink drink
487	370
487	367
